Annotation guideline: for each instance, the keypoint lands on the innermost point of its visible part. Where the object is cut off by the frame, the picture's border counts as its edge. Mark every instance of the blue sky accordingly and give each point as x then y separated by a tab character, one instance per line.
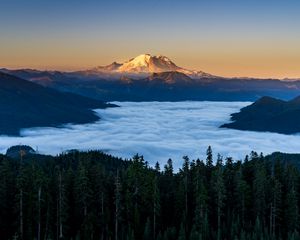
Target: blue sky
257	38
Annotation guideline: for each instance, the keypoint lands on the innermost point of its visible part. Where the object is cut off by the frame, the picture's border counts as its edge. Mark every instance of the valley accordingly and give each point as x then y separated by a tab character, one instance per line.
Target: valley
149	120
158	131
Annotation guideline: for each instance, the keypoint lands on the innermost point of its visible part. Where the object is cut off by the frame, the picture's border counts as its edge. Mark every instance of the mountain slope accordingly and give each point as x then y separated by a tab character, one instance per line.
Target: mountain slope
172	77
139	67
143	65
268	114
163	86
146	63
24	104
44	78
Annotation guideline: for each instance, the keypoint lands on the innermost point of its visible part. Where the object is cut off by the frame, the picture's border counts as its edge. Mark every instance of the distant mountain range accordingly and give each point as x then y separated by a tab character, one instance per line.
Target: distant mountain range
268	115
24	104
157	78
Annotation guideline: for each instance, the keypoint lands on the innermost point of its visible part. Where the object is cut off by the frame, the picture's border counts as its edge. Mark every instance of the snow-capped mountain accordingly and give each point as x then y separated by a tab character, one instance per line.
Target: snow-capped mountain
145	65
142	67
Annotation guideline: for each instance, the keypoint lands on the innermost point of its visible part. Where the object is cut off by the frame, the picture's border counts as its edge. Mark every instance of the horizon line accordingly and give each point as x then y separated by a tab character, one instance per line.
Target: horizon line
76	69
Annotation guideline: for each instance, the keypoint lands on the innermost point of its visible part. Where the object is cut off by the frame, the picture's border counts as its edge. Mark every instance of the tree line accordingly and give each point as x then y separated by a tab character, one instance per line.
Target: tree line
93	195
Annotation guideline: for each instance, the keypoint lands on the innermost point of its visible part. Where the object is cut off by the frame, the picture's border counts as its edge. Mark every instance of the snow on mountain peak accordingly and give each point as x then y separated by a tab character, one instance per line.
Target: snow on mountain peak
139	61
148	64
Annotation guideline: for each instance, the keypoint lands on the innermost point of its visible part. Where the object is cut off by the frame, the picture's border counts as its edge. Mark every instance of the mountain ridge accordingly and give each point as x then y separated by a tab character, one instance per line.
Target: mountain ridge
268	114
24	104
157	78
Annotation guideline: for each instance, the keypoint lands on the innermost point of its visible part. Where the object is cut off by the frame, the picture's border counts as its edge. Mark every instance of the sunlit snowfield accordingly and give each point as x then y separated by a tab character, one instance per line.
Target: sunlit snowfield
158	130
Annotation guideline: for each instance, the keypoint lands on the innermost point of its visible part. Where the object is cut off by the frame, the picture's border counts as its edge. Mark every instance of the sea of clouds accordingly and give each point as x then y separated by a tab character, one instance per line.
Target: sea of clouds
158	131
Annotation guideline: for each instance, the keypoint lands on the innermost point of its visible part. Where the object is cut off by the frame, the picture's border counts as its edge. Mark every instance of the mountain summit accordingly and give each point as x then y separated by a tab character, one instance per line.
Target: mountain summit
146	64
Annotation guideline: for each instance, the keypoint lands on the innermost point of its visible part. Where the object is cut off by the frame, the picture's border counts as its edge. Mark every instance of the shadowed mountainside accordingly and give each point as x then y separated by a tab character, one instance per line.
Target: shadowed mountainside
24	104
268	115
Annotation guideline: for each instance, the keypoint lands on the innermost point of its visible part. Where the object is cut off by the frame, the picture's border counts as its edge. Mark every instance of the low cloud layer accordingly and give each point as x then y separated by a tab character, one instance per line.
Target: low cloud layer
158	131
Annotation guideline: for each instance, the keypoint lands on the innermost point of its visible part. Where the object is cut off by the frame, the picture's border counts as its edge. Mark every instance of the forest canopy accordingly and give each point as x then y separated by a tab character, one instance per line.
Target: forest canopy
93	195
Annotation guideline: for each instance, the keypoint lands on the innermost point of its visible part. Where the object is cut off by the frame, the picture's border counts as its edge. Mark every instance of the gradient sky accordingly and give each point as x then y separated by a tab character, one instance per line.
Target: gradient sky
231	38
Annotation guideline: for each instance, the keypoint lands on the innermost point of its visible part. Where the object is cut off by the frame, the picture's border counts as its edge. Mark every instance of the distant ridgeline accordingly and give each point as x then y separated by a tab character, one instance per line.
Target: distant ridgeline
268	115
92	195
157	78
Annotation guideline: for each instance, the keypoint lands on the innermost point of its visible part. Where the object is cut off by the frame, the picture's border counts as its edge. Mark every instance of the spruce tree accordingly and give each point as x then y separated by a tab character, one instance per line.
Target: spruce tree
182	234
147	231
219	193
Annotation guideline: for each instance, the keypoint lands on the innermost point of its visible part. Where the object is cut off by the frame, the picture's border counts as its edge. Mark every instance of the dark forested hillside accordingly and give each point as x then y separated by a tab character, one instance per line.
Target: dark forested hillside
24	104
268	115
91	195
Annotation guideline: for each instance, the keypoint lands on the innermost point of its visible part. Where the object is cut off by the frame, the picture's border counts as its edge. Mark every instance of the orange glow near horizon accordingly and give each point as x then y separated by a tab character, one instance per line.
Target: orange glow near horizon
225	38
228	58
231	64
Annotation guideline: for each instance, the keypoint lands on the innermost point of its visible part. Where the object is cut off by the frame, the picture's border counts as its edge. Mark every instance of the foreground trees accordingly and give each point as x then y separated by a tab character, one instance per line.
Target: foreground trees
91	195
